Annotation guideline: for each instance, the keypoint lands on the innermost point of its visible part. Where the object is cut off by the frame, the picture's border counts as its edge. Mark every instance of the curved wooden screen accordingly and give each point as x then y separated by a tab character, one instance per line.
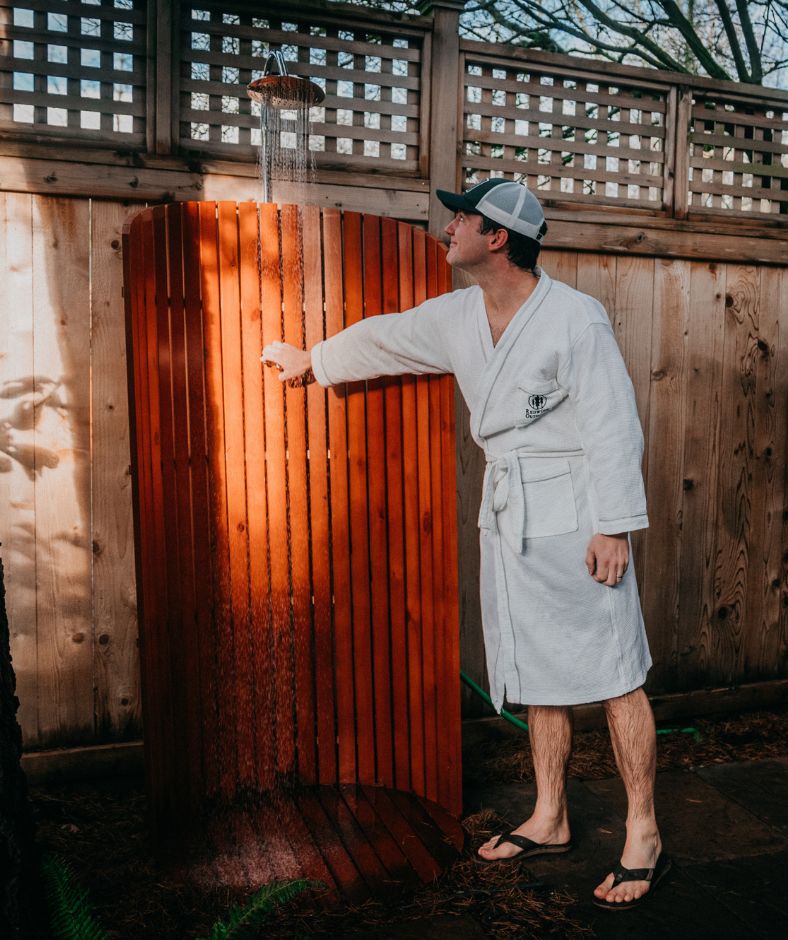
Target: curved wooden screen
296	548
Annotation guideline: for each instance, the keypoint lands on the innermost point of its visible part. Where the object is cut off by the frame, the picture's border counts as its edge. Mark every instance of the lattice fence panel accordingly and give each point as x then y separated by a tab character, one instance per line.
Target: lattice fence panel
572	138
738	157
371	77
74	69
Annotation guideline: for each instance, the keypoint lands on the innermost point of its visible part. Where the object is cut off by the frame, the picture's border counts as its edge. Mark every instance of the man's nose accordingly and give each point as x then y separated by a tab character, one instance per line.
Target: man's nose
449	230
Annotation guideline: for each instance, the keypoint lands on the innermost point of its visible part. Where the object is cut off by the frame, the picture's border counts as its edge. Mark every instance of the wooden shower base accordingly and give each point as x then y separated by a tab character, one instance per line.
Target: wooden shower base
359	841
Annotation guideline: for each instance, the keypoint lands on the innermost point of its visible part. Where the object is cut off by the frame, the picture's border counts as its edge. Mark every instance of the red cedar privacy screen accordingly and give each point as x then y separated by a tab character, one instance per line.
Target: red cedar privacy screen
296	548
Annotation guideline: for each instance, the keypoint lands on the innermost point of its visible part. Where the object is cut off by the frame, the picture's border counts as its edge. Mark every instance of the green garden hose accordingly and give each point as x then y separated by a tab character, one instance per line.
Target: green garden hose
524	727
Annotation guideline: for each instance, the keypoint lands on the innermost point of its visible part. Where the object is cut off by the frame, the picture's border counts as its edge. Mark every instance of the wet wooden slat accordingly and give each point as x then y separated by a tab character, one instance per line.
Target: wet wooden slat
340	536
397	256
354	840
320	535
339	862
187	689
238	640
421	859
298	505
276	480
427	436
205	639
257	670
359	509
225	748
386	848
156	635
378	536
412	523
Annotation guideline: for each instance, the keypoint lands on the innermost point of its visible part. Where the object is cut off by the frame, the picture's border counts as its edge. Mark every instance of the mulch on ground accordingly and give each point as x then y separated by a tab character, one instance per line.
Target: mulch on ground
100	829
754	736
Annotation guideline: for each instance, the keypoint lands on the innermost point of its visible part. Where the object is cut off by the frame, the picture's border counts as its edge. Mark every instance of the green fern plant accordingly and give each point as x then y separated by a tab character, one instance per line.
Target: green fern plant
242	922
71	917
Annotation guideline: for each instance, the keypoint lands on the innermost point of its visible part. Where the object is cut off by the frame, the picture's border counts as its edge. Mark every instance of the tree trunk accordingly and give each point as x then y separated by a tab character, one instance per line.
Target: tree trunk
21	910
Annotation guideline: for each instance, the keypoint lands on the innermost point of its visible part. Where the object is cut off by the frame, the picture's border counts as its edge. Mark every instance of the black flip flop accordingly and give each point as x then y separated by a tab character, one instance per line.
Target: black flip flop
620	874
528	848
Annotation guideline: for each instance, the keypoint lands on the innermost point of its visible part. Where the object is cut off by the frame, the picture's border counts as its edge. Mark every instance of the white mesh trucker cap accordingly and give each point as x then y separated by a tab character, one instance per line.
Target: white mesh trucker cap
510	204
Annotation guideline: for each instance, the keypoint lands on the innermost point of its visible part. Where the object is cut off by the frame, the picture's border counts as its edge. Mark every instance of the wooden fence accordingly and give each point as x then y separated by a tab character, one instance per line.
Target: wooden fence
666	198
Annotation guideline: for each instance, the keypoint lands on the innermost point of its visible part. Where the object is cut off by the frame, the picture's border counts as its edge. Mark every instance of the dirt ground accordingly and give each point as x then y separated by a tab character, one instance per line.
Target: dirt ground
99	828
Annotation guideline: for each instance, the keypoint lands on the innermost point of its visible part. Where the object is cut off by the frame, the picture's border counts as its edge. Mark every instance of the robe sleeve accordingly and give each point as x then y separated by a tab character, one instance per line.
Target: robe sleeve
609	428
392	344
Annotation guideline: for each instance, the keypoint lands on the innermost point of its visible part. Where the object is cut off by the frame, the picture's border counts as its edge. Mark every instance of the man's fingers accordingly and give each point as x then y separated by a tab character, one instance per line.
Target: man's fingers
590	561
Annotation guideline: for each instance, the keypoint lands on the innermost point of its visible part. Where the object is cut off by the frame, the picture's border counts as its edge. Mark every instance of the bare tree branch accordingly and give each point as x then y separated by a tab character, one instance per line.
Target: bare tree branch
752	44
683	25
733	39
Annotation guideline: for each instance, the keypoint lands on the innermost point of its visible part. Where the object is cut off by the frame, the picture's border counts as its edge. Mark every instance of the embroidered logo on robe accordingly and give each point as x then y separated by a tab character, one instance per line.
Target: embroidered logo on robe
536	406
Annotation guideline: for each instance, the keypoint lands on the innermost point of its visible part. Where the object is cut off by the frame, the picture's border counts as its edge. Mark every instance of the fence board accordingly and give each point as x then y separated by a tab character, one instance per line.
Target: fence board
116	661
61	366
762	638
667	428
17	454
701	463
735	478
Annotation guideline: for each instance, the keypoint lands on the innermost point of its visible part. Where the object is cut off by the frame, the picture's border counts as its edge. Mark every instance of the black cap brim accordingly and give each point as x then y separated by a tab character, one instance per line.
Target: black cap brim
457	202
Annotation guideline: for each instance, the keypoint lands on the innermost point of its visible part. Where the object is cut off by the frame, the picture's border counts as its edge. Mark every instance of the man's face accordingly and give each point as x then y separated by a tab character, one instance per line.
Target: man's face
467	247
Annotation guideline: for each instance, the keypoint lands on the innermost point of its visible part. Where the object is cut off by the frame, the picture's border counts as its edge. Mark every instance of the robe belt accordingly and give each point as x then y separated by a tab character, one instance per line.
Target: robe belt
503	504
503	511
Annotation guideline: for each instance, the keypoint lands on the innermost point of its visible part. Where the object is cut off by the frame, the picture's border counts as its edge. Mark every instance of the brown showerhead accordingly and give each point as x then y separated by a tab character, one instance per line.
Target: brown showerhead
285	91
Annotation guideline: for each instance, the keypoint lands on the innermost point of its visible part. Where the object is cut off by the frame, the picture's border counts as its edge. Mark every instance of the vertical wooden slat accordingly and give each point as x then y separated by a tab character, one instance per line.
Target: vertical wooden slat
560	265
298	505
450	655
226	751
276	474
412	526
632	319
737	433
425	285
156	642
186	689
377	233
436	497
172	671
17	460
667	417
116	658
61	389
397	296
340	535
699	476
317	442
358	509
239	642
761	643
257	671
205	626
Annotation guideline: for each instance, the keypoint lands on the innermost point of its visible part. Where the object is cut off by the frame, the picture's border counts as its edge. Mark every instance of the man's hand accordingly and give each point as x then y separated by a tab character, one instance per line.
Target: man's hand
607	558
291	362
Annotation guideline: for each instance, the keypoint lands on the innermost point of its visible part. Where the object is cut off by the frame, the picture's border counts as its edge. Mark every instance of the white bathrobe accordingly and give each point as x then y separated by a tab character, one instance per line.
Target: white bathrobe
554	410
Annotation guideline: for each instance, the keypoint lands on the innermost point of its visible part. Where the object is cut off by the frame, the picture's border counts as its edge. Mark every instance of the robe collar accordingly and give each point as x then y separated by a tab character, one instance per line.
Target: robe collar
497	355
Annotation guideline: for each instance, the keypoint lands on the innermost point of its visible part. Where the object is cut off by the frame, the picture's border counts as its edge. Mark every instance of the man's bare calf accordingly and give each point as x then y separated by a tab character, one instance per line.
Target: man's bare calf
633	735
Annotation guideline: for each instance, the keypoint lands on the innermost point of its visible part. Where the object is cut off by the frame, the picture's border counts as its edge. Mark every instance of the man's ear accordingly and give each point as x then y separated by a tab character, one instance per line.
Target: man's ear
499	239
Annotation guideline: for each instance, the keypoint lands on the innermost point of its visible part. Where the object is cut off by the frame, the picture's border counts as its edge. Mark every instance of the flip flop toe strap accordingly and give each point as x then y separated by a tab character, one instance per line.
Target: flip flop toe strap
621	874
522	842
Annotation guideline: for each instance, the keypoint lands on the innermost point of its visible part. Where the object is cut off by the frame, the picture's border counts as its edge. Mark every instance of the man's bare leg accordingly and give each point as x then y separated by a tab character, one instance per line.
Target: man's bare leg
632	732
550	731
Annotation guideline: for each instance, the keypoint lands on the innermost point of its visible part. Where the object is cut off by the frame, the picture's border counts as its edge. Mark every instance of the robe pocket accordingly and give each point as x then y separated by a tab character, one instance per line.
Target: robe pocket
536	399
549	497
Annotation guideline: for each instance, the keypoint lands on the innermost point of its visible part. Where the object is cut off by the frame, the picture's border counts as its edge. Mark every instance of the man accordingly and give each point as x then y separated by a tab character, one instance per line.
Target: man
554	410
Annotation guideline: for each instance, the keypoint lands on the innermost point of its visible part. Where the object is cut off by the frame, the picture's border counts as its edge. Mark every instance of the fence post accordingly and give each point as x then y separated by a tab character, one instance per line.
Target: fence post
163	30
681	136
444	82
